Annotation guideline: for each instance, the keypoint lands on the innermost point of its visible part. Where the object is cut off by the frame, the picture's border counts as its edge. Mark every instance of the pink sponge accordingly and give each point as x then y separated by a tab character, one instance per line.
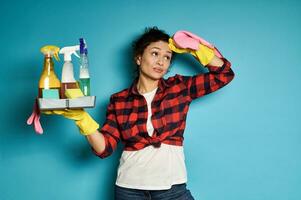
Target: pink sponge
185	39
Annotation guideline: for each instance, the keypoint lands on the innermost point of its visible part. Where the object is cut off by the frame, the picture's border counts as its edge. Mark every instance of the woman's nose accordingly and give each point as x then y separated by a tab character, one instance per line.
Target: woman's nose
160	61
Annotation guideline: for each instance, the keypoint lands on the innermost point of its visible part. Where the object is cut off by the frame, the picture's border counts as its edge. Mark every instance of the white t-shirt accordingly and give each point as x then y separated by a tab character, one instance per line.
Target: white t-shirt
152	168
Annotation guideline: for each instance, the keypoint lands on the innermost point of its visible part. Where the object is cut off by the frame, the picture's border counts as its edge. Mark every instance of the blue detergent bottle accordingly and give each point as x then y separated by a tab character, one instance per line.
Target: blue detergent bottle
84	77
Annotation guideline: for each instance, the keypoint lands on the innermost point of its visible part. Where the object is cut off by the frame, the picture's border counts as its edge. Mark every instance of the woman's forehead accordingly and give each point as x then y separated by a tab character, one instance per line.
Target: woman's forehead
160	45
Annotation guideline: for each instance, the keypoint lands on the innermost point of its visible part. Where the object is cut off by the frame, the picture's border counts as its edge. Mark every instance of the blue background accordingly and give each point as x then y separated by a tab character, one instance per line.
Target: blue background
241	142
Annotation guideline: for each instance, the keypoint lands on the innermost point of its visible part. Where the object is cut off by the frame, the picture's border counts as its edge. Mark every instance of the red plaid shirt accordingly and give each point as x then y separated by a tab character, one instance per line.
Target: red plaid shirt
127	111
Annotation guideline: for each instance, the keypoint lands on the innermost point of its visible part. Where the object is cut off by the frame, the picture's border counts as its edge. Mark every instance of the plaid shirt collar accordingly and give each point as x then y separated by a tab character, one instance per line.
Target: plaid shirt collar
161	86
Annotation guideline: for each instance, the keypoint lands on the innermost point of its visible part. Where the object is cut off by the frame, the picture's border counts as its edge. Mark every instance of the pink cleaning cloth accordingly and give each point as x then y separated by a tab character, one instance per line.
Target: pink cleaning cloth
185	39
35	118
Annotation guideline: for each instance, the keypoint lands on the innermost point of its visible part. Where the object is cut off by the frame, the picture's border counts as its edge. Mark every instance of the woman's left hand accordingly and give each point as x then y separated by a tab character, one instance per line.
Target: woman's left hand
172	45
204	54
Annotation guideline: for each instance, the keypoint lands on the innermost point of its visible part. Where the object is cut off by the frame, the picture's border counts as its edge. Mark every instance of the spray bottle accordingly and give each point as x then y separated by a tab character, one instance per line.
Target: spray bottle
68	81
48	80
84	77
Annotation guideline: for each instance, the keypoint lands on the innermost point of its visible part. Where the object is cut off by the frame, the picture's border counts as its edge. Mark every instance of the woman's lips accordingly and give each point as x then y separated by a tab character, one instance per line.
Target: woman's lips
158	70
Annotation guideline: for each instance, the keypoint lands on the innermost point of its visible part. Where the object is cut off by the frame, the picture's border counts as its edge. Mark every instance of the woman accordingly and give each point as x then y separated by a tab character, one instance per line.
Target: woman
149	118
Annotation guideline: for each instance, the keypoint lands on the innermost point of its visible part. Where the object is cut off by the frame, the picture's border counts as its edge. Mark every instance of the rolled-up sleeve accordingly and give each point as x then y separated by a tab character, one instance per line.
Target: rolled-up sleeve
202	84
110	131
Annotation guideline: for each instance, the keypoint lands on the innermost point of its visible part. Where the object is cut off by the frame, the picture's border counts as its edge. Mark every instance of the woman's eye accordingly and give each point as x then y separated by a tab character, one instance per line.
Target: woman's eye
155	53
167	58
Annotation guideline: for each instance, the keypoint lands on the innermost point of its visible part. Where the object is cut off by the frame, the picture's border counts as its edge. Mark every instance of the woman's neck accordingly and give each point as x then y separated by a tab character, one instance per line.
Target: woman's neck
145	85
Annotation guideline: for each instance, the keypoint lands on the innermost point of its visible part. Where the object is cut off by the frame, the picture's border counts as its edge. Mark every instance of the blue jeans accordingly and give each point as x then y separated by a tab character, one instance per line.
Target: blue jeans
176	192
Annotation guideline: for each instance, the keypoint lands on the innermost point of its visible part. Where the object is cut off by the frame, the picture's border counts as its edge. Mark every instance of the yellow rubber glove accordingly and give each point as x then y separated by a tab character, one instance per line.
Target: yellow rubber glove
83	120
204	54
172	45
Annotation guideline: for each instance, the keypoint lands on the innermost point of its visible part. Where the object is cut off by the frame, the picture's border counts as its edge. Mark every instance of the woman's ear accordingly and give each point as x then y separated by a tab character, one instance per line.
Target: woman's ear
138	60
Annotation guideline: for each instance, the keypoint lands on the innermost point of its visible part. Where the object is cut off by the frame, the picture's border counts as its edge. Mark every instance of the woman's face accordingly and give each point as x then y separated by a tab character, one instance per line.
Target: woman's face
155	60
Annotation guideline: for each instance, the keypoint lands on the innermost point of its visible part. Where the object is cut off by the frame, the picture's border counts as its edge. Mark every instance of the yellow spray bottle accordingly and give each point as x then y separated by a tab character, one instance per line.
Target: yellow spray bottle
49	84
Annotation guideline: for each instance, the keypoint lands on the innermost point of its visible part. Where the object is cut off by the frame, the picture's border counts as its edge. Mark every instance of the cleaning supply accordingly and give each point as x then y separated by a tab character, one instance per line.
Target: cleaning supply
204	54
68	81
186	39
50	94
49	85
48	80
34	119
86	124
84	77
74	93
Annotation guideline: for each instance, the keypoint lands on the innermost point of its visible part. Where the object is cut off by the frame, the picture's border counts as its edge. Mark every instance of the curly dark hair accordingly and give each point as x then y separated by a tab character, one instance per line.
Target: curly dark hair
150	35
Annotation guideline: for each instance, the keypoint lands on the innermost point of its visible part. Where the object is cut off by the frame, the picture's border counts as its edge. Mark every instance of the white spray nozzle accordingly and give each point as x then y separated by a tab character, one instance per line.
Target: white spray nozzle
68	51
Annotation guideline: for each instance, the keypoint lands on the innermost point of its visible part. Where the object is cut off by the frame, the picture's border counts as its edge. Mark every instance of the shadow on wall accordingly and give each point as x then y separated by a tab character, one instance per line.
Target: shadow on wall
126	68
108	176
126	65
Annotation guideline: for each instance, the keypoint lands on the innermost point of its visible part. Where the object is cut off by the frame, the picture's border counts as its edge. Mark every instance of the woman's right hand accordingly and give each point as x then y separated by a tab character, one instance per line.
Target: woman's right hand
86	124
